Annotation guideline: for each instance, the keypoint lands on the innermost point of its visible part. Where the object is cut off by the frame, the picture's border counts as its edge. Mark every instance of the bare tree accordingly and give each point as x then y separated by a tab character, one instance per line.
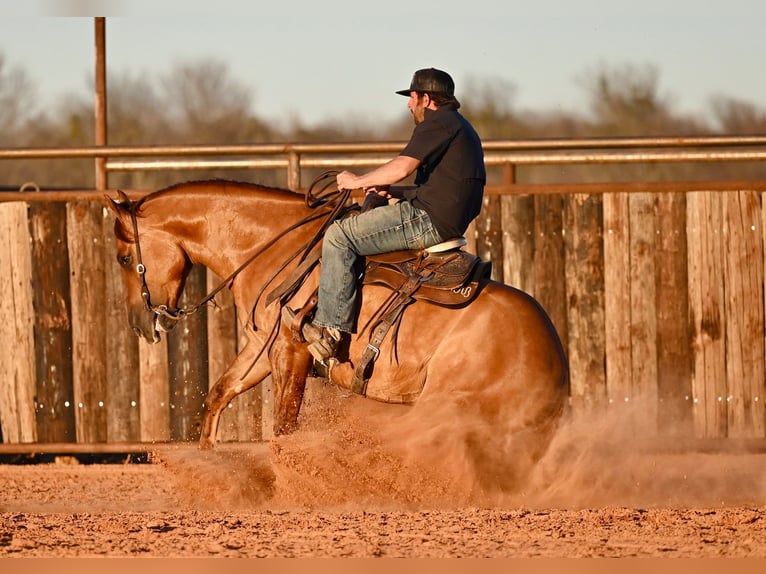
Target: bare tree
136	113
17	97
208	105
489	104
625	100
738	117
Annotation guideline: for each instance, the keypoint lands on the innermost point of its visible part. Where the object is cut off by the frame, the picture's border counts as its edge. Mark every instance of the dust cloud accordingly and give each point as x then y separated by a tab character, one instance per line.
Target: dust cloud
351	453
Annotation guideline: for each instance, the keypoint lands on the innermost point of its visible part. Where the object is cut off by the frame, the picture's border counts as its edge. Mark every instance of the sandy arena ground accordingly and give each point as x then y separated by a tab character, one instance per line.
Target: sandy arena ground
343	486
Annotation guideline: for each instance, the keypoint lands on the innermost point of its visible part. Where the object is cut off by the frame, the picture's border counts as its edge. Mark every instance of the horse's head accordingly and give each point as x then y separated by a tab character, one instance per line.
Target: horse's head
153	265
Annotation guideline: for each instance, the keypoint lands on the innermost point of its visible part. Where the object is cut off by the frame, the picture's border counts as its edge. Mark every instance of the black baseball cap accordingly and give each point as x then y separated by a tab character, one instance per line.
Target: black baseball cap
432	81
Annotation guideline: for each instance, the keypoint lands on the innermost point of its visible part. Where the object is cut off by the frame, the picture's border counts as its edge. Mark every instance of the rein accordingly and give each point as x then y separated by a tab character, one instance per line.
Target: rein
334	199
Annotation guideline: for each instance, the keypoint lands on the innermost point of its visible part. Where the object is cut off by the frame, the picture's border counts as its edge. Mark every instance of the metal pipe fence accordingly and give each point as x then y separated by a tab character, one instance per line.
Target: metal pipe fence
295	157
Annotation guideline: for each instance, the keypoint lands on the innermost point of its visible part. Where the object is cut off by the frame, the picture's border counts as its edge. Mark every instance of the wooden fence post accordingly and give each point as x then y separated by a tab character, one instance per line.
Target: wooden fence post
549	261
489	235
743	266
706	302
154	391
585	297
617	298
674	352
517	224
55	407
87	288
17	357
122	358
643	306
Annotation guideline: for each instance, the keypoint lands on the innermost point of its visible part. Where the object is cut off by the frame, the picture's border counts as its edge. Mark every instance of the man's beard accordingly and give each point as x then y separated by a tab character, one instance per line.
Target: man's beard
418	115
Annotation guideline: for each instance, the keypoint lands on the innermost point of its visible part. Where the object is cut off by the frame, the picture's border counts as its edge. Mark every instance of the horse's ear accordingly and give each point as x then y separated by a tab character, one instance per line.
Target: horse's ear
121	207
121	204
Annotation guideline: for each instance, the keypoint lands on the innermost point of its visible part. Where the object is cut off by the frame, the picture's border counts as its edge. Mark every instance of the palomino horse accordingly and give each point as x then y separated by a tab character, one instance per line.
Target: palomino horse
496	356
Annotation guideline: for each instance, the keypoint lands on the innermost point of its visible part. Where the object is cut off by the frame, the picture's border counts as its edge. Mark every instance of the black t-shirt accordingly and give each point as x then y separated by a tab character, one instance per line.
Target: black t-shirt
451	177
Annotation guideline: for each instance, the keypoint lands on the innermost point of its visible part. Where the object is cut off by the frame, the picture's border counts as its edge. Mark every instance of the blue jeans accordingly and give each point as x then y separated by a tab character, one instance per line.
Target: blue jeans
388	228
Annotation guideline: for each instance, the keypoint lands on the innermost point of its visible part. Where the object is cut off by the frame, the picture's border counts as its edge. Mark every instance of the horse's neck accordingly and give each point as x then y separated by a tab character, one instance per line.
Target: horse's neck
228	232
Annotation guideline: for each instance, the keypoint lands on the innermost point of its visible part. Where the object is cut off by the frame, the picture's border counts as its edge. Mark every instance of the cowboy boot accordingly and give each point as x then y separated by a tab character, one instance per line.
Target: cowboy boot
323	341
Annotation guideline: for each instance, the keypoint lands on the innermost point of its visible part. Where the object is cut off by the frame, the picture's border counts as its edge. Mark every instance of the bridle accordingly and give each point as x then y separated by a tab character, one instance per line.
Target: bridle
335	199
160	310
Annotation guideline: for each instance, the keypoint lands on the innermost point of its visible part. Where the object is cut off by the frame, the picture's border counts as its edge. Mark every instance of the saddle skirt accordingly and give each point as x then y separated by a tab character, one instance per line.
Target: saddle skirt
451	278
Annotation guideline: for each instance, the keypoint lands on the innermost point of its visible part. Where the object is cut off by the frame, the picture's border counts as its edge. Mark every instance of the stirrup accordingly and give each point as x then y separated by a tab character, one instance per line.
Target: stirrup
323	341
324	348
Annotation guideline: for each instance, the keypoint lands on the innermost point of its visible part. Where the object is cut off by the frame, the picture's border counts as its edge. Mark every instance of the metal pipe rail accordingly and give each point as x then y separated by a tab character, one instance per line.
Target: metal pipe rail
491	159
508	153
379	147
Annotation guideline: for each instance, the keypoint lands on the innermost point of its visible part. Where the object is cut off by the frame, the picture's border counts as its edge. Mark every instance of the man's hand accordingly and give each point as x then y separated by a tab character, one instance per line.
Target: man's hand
381	190
346	180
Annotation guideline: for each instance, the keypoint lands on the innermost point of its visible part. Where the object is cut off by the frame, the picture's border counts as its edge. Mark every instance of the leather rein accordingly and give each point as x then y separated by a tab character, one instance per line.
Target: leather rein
336	200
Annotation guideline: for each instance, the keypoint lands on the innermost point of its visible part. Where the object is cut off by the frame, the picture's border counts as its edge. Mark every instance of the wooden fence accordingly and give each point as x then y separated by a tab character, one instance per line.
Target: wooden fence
656	290
658	296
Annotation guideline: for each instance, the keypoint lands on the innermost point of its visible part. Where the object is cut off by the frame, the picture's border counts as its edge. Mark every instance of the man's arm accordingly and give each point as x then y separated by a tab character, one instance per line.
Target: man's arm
395	170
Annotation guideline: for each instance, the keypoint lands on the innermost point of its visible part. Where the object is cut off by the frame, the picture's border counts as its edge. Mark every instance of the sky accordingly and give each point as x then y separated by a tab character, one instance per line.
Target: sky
318	60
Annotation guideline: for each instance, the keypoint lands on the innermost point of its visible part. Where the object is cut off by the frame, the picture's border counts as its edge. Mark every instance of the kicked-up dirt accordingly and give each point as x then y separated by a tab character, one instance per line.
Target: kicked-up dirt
346	485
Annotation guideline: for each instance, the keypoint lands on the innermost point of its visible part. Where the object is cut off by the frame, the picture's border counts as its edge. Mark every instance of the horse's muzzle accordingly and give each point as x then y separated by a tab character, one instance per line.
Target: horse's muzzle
164	324
143	325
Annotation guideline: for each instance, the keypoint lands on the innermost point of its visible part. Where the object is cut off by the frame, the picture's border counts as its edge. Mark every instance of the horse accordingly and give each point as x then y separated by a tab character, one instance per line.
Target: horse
499	357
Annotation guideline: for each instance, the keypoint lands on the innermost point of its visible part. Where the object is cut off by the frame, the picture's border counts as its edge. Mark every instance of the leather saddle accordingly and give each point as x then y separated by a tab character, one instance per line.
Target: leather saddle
443	274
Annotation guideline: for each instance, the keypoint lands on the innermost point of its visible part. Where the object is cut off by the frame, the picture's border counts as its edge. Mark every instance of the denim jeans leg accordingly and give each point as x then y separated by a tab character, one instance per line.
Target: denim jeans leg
381	230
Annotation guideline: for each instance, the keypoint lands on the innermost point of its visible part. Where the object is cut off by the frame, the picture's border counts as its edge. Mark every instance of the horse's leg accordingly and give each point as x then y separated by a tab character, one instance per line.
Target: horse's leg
290	363
241	375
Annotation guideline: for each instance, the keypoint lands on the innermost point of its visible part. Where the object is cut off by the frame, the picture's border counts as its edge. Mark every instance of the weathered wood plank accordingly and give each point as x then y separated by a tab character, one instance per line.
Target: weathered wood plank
585	295
706	302
674	353
517	220
17	360
743	259
489	235
549	261
617	298
87	288
154	391
643	308
122	365
55	409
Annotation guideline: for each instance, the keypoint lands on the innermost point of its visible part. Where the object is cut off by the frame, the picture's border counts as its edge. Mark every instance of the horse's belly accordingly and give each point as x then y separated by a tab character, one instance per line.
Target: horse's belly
388	385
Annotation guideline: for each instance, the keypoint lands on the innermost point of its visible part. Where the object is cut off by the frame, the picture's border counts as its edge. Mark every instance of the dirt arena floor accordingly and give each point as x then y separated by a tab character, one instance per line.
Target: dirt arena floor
361	480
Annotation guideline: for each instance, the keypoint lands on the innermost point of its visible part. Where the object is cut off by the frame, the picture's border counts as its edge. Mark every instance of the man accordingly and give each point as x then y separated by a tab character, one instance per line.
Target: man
447	195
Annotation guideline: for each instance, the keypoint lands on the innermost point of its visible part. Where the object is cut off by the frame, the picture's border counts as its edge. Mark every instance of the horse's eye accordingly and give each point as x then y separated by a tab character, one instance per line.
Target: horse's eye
124	260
